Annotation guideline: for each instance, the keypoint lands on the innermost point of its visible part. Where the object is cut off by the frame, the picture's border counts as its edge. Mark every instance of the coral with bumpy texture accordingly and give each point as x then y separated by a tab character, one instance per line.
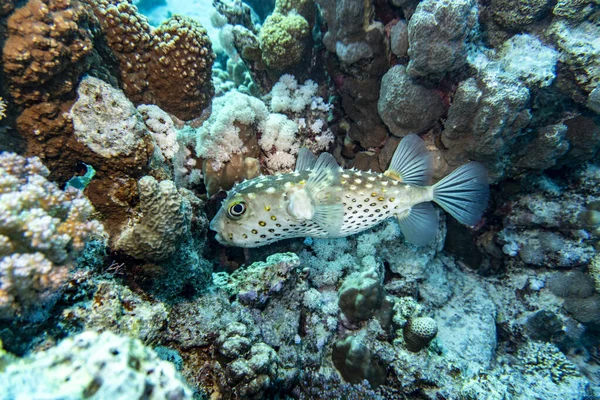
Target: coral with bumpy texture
41	229
580	51
356	361
256	283
437	33
179	71
405	106
169	66
103	366
361	295
485	117
163	219
283	40
128	35
518	14
418	332
46	49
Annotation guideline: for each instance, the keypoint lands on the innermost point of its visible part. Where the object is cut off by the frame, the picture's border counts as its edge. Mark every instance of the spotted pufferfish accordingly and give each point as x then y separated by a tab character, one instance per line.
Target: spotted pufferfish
321	200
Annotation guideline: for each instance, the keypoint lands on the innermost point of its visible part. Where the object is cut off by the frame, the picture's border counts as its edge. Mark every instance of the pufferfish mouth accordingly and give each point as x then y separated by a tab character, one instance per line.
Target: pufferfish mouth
214	226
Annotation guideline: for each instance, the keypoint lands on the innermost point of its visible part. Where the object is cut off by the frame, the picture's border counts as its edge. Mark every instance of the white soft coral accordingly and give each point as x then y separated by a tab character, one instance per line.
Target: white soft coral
218	138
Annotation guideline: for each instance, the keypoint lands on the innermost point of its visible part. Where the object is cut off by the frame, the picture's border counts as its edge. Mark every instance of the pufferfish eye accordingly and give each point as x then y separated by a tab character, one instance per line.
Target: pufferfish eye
236	210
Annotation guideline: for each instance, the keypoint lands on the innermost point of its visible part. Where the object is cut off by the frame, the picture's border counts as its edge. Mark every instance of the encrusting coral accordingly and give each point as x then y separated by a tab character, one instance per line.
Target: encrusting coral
46	49
41	230
90	364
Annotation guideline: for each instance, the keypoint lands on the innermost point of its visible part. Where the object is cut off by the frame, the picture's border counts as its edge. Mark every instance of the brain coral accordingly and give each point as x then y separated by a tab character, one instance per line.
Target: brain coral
41	229
162	222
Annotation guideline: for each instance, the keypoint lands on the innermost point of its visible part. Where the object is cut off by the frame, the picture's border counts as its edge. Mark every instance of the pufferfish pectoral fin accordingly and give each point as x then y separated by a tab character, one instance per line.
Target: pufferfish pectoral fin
321	188
412	162
419	224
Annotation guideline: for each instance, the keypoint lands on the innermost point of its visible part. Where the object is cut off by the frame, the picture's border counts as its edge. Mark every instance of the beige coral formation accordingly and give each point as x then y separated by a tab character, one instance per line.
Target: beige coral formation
161	222
169	66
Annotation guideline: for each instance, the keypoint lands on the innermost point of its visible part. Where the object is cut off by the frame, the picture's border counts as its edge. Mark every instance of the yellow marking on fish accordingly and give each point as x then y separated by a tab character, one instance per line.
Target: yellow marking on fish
254	231
392	199
302	182
374	194
274	218
267	208
343	182
245	236
380	198
262	223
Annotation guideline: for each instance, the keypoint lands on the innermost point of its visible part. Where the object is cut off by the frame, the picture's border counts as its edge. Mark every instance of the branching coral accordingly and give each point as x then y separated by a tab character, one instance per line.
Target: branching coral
41	229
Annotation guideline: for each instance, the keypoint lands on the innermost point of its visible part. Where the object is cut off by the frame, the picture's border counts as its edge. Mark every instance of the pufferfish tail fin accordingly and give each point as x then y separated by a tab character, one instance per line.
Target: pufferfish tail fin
464	193
321	187
412	162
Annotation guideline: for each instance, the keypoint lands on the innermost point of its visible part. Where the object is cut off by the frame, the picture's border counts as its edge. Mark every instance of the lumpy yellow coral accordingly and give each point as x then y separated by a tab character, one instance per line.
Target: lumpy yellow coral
2	109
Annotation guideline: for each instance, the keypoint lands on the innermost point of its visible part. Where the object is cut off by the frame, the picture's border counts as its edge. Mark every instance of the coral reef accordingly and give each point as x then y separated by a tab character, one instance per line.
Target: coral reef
130	104
107	123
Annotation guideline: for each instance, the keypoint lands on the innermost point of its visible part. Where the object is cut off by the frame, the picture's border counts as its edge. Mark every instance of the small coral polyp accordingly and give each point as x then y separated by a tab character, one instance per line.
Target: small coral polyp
41	230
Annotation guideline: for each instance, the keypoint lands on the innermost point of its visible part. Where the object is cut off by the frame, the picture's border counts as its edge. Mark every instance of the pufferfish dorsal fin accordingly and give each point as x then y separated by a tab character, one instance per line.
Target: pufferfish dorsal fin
305	160
328	209
412	162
